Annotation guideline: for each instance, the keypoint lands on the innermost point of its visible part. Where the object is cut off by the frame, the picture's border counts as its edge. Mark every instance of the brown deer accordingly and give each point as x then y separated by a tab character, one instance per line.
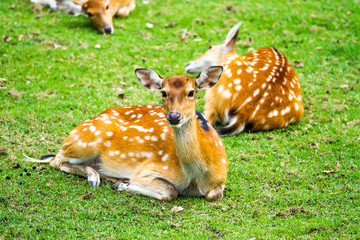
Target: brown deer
163	151
258	91
100	12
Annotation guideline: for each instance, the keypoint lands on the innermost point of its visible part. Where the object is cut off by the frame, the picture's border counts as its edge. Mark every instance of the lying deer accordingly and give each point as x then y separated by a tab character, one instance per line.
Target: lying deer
163	151
259	91
100	12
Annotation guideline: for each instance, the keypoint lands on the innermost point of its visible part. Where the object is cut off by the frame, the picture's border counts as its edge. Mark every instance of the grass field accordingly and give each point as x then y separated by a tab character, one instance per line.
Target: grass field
53	78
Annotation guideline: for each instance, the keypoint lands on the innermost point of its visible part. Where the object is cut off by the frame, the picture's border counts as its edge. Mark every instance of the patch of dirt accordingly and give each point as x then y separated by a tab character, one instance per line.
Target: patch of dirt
3	151
292	212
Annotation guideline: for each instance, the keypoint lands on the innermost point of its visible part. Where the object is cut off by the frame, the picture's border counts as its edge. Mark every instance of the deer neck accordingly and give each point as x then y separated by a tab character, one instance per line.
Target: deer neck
230	55
188	144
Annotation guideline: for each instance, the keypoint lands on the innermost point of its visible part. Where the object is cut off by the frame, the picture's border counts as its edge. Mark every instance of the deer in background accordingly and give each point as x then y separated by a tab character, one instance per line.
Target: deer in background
163	151
259	91
100	12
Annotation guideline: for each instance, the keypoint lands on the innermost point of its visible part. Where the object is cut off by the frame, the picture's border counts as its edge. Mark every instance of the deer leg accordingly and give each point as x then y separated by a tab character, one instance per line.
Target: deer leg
157	188
62	163
231	129
125	11
216	194
92	176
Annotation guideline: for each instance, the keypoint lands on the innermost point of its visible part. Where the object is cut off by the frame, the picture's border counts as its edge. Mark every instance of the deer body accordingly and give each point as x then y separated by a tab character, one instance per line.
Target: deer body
161	155
258	91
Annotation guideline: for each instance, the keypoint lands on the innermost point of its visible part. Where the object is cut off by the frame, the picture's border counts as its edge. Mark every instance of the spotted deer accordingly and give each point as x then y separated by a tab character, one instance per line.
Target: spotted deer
163	151
100	12
258	91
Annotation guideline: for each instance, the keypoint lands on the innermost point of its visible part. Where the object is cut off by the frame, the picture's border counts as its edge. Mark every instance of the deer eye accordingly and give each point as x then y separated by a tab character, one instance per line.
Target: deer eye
107	7
164	95
191	93
90	14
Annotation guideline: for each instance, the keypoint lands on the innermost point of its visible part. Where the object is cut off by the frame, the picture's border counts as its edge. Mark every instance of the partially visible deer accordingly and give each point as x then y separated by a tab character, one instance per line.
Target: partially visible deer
100	12
258	91
163	151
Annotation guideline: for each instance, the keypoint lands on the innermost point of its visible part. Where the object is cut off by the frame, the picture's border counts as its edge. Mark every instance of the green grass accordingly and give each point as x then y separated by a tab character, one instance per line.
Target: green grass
276	187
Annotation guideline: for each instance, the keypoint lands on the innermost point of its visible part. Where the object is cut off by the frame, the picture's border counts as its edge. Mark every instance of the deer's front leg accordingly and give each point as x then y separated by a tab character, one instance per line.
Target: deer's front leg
158	188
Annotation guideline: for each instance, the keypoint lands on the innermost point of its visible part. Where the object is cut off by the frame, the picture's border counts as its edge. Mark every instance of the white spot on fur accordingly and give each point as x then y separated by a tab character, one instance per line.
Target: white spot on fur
227	94
92	128
163	136
107	122
97	133
256	92
128	112
165	157
165	167
238	88
249	69
223	160
297	106
237	81
110	134
239	71
107	144
220	89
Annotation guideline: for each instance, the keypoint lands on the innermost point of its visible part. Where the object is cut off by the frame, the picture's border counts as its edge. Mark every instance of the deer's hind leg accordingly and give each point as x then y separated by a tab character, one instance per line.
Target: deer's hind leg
76	166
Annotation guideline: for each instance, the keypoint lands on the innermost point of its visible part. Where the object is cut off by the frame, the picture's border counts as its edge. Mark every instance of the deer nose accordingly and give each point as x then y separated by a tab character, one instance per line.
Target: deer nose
108	29
174	118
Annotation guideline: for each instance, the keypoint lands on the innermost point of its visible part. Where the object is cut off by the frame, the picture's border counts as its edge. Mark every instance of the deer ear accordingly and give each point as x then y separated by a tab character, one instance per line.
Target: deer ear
232	35
209	77
149	79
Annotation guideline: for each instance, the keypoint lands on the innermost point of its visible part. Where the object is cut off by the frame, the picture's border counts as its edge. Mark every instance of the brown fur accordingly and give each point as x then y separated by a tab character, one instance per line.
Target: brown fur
101	17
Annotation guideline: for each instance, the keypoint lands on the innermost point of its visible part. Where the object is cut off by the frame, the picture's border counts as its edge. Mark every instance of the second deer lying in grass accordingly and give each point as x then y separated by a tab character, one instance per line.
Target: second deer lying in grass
163	151
258	91
100	12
